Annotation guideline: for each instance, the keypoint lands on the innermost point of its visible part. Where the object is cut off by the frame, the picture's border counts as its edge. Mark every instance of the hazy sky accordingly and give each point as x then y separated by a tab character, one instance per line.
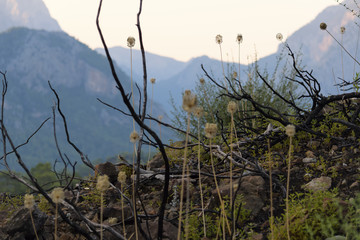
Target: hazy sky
185	29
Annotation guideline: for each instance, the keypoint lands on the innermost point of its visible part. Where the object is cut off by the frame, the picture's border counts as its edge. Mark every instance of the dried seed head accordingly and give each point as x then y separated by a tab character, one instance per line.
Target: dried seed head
290	130
152	80
231	107
342	30
235	74
121	177
112	220
323	26
57	195
279	36
189	101
210	130
198	111
160	117
29	201
239	38
134	137
218	39
202	81
102	183
130	42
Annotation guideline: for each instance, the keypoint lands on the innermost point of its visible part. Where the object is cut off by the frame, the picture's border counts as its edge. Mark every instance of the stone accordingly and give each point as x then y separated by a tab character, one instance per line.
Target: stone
108	169
19	225
253	190
318	184
354	185
115	210
336	238
310	154
156	162
309	160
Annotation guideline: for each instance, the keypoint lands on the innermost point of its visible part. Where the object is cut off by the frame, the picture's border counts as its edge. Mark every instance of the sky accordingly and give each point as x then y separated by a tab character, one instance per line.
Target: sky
185	29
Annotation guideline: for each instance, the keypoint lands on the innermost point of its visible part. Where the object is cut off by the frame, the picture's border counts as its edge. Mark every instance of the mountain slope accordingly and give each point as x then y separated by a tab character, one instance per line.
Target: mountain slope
80	75
26	13
158	67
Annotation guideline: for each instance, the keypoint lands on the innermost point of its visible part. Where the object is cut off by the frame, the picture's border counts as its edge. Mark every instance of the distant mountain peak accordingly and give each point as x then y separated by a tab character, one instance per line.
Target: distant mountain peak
26	13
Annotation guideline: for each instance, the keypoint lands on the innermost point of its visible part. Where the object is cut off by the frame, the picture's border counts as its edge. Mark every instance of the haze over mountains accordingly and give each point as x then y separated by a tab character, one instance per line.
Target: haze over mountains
32	57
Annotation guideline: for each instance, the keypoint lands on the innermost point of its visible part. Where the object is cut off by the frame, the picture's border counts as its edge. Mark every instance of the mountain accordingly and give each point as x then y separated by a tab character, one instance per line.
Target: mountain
321	53
26	13
158	67
80	75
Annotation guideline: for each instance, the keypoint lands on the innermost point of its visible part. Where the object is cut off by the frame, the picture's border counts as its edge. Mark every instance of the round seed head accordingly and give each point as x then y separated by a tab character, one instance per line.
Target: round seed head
152	80
279	36
198	111
323	26
210	130
239	38
57	195
202	81
29	201
342	30
290	130
112	220
218	39
130	42
102	183
134	137
235	74
121	177
189	101
231	107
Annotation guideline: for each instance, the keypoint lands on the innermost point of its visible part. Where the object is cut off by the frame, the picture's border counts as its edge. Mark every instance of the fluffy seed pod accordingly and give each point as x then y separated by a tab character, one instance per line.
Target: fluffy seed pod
152	80
279	36
189	101
239	38
102	183
342	30
210	130
198	112
218	39
130	42
121	177
134	137
231	107
202	81
29	201
323	26
57	195
290	130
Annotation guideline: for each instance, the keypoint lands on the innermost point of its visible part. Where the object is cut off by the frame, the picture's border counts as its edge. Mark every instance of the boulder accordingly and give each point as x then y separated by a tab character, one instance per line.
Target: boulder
318	184
19	225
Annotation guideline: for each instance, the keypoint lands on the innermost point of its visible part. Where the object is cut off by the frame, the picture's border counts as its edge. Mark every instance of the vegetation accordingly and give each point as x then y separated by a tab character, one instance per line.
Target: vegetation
217	183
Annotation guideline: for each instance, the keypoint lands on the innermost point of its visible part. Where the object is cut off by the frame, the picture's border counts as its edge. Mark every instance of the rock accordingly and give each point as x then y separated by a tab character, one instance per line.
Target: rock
318	184
309	154
169	230
313	144
336	238
19	225
253	190
108	169
309	160
156	162
115	210
354	185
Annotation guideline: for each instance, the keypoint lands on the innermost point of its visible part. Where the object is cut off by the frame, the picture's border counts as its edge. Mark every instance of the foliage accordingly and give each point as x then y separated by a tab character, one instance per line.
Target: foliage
318	215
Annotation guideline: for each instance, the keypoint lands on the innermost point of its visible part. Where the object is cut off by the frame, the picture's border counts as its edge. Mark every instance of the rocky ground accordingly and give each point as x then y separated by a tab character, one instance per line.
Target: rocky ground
316	165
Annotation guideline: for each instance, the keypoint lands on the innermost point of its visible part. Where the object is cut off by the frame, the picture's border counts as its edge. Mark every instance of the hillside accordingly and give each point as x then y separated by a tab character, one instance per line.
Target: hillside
31	58
26	13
